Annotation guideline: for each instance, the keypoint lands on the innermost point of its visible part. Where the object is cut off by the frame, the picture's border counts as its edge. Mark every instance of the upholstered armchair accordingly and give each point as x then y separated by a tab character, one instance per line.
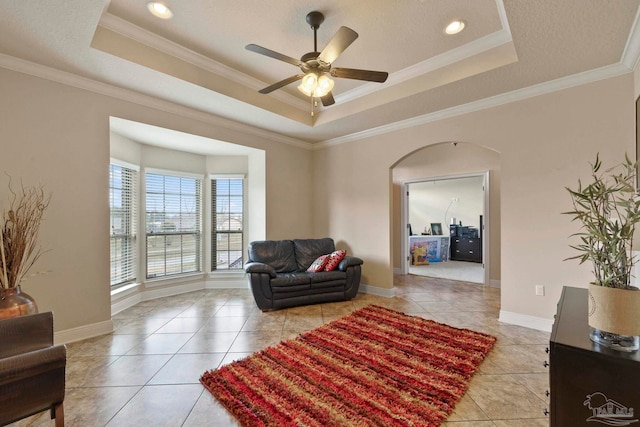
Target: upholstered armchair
32	369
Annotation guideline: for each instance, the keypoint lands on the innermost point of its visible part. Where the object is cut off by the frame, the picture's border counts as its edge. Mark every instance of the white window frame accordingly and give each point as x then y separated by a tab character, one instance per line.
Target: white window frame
129	236
213	221
198	222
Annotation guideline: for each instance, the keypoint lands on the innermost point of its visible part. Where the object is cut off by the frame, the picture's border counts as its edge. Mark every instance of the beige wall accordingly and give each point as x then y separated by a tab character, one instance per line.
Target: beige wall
545	144
443	160
58	135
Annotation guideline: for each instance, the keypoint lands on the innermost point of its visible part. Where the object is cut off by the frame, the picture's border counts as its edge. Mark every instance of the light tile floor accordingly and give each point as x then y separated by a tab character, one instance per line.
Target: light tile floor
146	373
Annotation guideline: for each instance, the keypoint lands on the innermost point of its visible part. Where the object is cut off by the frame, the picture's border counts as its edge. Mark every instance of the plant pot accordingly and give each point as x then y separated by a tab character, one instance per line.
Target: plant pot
14	303
614	317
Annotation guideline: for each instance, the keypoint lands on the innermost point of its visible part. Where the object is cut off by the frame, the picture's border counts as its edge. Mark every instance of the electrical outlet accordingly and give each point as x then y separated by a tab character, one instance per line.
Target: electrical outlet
540	290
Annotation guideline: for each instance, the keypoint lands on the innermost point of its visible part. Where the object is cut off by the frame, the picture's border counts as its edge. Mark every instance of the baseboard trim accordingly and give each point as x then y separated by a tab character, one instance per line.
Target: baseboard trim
126	302
525	320
376	290
227	282
494	283
236	284
83	332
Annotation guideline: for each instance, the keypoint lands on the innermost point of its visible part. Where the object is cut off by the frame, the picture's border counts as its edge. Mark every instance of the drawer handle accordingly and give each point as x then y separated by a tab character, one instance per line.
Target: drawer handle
470	252
546	350
546	393
545	364
545	411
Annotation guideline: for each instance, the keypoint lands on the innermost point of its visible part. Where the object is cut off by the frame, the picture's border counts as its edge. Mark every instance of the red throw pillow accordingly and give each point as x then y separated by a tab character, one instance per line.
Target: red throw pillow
334	260
318	264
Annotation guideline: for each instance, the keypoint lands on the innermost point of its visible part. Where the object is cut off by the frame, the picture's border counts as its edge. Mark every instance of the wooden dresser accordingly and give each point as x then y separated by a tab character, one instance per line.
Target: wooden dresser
466	249
590	385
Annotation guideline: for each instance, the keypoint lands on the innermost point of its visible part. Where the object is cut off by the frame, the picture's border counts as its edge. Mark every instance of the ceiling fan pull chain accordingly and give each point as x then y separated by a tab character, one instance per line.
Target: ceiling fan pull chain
312	105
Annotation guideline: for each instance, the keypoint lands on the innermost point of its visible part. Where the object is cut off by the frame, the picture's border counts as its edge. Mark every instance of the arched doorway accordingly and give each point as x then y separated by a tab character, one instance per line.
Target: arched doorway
445	160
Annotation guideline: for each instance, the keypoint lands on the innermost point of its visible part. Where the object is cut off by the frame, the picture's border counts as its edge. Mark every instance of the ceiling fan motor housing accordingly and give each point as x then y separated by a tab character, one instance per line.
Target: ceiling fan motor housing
314	19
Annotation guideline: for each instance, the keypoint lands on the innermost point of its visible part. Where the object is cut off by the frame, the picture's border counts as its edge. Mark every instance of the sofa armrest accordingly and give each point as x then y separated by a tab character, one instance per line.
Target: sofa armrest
349	261
258	267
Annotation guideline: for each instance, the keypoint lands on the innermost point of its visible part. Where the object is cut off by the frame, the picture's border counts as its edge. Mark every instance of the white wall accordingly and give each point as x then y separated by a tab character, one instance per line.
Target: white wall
459	198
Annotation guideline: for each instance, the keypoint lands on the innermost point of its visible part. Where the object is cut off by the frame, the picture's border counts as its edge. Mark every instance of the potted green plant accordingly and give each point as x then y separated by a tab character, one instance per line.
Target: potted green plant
608	209
19	249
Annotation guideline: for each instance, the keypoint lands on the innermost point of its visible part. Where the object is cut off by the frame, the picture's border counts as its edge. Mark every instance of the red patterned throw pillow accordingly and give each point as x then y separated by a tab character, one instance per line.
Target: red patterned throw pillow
318	264
334	260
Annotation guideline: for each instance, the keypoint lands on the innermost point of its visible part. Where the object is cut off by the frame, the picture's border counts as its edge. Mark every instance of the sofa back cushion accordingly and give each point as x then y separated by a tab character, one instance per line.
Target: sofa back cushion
279	254
307	250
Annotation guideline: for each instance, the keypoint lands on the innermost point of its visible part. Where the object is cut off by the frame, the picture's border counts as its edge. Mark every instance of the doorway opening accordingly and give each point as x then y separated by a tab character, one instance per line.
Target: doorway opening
446	223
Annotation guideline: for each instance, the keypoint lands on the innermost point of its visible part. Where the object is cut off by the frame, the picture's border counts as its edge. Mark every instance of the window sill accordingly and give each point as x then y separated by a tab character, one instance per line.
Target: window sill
124	290
177	279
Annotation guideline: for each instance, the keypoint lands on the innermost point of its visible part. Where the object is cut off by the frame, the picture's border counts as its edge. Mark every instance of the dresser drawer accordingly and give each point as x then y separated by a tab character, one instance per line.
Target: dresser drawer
466	249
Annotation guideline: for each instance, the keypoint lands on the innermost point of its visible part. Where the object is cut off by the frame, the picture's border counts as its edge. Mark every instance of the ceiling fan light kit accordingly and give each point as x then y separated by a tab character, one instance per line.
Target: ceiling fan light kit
316	66
315	86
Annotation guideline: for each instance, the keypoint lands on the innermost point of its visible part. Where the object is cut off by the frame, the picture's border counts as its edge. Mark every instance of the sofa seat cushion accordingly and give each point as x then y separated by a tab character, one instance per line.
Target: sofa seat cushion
328	276
291	282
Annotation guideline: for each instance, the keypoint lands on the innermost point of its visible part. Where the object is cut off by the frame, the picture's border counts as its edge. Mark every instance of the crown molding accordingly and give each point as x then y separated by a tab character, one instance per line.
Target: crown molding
502	13
132	31
631	52
427	66
471	49
562	83
84	83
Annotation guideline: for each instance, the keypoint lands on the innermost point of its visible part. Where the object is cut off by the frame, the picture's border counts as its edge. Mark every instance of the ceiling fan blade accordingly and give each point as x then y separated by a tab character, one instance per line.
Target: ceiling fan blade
281	83
352	73
341	40
328	100
273	54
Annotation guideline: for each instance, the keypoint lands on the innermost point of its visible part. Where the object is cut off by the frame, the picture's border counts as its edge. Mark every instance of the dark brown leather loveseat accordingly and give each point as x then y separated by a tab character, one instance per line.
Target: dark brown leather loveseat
278	276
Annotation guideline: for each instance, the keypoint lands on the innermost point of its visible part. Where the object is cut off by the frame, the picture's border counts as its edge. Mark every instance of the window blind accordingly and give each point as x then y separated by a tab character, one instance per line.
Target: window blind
173	228
123	219
227	219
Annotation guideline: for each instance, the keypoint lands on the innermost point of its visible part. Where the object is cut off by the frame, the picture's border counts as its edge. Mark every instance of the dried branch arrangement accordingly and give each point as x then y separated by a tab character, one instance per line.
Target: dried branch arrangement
19	248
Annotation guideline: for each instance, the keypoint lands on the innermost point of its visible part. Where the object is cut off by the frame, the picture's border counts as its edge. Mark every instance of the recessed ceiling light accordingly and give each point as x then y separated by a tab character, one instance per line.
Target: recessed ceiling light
455	27
159	9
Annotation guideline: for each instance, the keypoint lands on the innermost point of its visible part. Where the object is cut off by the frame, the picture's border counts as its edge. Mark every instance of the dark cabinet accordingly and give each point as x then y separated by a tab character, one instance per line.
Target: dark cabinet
589	384
466	249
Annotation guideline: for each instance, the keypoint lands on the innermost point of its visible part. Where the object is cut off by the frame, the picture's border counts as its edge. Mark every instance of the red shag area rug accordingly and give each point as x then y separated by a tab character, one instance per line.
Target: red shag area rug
374	367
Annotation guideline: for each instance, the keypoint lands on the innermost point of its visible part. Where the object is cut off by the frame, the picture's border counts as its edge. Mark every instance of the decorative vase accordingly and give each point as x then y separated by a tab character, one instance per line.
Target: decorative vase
14	303
614	317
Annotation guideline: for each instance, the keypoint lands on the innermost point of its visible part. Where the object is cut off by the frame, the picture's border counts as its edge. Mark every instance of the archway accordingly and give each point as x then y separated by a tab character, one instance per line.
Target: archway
441	160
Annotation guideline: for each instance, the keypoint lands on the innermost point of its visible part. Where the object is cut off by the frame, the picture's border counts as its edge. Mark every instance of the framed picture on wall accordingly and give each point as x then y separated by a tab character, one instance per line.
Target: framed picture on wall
436	229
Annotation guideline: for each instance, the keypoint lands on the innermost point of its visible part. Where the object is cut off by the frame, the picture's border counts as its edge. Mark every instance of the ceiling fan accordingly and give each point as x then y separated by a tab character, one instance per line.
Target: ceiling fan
316	65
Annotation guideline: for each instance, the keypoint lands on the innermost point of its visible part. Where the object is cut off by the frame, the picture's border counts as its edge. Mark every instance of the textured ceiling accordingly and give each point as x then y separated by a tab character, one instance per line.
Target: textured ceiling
198	59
